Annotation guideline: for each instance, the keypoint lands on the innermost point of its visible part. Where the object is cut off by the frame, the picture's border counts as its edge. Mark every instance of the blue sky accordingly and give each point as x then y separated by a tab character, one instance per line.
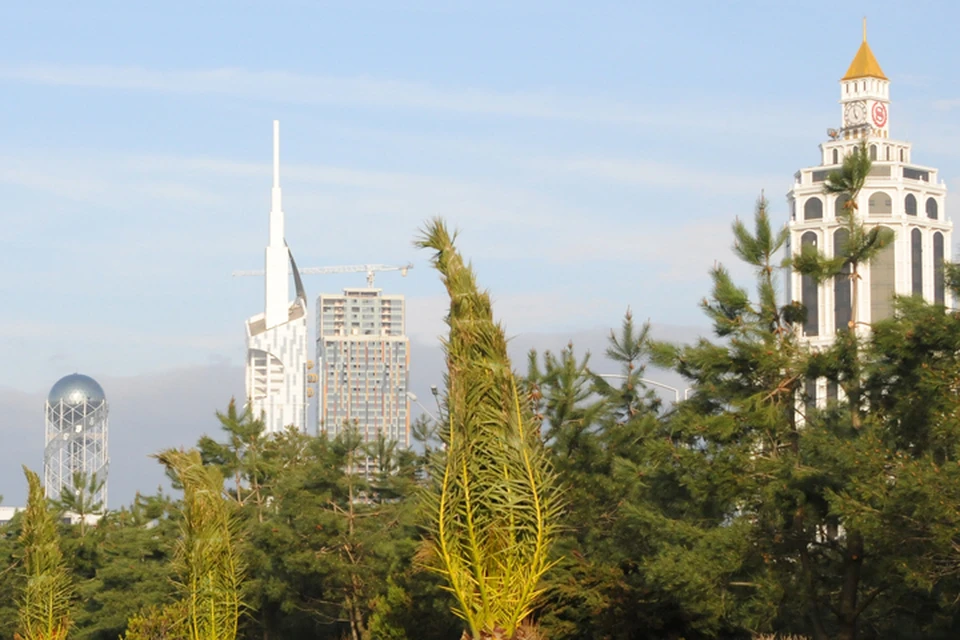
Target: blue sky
592	154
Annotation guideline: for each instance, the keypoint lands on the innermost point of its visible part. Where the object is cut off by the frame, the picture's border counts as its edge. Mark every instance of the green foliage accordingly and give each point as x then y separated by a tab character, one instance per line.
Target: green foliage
79	498
630	349
745	512
126	563
208	560
45	599
493	513
158	623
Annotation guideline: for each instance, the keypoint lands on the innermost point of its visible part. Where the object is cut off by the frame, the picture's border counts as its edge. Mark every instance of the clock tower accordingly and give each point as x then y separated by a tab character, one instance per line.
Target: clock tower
865	96
898	194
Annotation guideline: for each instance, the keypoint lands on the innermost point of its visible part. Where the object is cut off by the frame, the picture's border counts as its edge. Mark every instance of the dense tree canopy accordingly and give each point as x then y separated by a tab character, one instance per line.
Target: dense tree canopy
749	508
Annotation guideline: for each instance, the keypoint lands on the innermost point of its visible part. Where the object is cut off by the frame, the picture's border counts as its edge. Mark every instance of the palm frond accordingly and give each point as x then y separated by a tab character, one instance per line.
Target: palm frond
208	559
494	505
45	603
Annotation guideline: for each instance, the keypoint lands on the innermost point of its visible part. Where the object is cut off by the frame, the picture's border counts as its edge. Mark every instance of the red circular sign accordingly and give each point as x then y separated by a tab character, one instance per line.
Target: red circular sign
879	114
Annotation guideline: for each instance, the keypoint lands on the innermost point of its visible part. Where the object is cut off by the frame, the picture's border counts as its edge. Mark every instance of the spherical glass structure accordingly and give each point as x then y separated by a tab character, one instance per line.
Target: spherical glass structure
76	388
76	436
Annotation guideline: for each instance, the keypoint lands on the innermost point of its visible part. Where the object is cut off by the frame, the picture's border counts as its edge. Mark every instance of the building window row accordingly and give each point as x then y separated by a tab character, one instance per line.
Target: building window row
879	203
882	280
889	152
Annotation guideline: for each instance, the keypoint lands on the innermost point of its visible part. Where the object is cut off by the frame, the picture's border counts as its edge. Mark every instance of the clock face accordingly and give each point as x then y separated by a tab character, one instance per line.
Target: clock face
855	113
879	113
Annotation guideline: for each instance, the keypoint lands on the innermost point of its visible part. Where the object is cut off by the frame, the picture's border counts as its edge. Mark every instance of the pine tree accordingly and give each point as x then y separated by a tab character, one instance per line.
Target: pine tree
706	492
78	498
630	349
862	245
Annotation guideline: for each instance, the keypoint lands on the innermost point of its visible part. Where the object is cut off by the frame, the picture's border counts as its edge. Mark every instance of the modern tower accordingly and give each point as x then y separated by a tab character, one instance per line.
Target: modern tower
899	194
364	355
76	436
277	338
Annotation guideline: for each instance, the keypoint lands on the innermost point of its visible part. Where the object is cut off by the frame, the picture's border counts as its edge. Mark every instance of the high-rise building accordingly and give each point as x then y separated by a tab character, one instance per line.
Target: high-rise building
277	338
76	438
364	355
899	194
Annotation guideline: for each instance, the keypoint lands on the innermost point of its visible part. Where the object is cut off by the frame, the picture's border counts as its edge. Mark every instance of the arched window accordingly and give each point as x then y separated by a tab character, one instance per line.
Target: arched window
813	209
808	291
916	261
880	204
873	152
938	297
838	206
841	284
910	205
901	155
931	208
832	391
882	278
887	147
810	394
836	157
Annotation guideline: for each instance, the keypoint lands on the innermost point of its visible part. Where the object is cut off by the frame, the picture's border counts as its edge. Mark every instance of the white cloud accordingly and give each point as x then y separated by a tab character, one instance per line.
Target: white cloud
663	175
83	180
946	104
683	252
95	334
283	86
299	88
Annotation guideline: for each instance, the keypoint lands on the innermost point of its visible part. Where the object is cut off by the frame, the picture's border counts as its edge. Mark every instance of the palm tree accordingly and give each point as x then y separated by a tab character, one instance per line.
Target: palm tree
45	601
494	504
208	560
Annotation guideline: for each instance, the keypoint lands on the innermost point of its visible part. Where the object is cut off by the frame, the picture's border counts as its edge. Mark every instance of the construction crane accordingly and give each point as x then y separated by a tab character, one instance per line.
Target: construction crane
369	269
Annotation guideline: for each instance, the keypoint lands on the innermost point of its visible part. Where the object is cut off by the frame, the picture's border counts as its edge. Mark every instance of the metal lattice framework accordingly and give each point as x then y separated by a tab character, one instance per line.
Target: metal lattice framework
76	436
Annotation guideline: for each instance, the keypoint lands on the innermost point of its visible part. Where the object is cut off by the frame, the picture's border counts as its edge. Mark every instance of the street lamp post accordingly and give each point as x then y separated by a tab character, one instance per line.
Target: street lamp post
413	397
676	392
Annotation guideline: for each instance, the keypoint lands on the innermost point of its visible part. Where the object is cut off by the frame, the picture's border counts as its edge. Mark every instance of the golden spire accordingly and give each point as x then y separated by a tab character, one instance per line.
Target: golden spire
864	64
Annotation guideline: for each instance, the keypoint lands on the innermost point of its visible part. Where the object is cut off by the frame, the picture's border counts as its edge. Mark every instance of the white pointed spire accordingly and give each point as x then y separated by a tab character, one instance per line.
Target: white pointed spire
276	280
276	154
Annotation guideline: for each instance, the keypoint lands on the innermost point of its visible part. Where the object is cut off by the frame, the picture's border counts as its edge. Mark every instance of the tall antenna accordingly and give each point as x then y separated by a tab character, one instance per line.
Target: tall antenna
277	256
864	28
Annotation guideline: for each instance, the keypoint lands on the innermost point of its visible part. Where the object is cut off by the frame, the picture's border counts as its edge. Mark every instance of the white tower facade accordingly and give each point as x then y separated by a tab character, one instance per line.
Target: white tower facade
899	194
277	338
77	433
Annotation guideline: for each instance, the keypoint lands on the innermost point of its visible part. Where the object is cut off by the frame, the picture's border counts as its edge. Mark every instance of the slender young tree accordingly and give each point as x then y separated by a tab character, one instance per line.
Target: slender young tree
630	349
208	559
45	601
241	456
863	243
78	498
494	505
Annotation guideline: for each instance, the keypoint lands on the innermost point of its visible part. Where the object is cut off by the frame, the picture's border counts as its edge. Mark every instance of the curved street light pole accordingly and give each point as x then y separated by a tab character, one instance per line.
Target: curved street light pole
676	392
413	397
